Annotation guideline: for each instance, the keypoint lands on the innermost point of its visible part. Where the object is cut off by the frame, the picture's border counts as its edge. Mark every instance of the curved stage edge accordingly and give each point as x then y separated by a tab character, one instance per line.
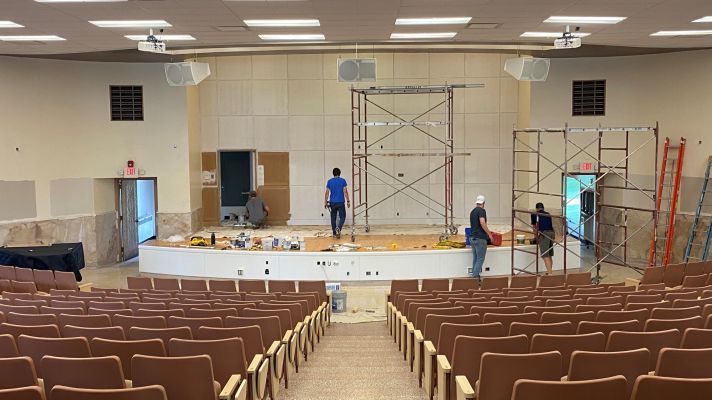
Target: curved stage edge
335	266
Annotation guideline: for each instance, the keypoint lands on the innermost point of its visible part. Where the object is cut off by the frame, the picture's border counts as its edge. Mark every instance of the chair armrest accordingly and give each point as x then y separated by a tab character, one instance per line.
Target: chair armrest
429	347
241	393
418	335
85	287
273	348
255	364
289	333
230	387
464	389
443	363
411	327
632	282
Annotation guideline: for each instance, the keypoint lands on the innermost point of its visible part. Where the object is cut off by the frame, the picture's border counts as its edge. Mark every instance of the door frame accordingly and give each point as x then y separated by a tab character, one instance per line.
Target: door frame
597	197
119	211
253	172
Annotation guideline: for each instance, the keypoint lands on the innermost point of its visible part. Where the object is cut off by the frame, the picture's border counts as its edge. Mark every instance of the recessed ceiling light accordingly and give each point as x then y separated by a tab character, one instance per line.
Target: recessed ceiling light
10	24
231	28
704	19
155	23
37	38
584	20
433	21
79	1
425	35
682	33
161	37
483	25
282	22
551	34
299	36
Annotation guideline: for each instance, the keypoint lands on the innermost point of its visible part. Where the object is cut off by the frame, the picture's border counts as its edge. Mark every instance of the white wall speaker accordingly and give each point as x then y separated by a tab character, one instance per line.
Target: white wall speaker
356	69
528	69
186	73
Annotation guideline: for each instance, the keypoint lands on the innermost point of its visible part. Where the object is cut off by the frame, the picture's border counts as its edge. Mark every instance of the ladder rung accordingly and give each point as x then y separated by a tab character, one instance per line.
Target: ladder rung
614	148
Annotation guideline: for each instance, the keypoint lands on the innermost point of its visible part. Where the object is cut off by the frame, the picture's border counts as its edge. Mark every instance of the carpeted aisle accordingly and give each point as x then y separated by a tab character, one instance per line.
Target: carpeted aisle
355	362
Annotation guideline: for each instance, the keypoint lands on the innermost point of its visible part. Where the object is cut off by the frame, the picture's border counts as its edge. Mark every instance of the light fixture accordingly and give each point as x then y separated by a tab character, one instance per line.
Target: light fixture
298	36
282	22
10	24
584	20
424	35
433	21
682	33
148	23
161	37
36	38
704	19
79	1
551	34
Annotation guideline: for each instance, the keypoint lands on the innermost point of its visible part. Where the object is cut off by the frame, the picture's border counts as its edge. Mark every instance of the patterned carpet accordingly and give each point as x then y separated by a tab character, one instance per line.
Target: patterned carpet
355	362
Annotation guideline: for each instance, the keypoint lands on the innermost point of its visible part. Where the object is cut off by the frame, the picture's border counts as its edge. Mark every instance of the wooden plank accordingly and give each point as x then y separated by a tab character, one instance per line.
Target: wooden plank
277	199
211	209
276	166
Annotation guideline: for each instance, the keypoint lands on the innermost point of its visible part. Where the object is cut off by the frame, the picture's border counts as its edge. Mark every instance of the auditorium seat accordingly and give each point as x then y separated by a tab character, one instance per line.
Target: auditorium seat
193	285
126	349
613	290
223	297
507	319
177	312
22	393
539	310
430	285
211	313
7	272
138	282
694	338
164	334
110	313
567	344
499	372
467	353
260	296
684	363
68	304
50	331
166	284
521	305
530	329
59	311
282	286
24	275
107	332
135	306
607	327
106	305
574	317
578	279
494	282
38	347
604	300
482	310
675	313
183	378
695	268
648	306
672	296
32	303
252	286
591	290
222	285
680	324
523	281
619	316
653	341
88	373
65	280
44	279
643	298
586	365
570	302
681	303
17	372
464	284
694	281
6	309
87	321
431	333
194	323
611	388
663	388
30	319
674	274
151	392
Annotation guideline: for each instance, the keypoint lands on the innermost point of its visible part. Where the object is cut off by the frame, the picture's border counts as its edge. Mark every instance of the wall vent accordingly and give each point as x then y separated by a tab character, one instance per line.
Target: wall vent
588	98
126	103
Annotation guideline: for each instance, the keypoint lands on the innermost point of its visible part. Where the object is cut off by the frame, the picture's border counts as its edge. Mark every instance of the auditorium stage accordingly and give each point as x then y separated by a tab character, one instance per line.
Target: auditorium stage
377	260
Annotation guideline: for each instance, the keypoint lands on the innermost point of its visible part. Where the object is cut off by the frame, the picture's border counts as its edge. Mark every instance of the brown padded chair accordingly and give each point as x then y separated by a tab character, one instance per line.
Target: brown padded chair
643	298
402	285
126	349
607	327
50	331
464	284
567	344
152	392
693	295
587	365
160	313
521	305
696	268
591	290
183	378
430	285
507	319
108	332
542	309
110	313
194	285
24	274
499	372
166	284
164	334
523	281
604	300
674	273
574	317
30	319
694	281
564	302
578	278
652	275
153	305
137	282
34	302
65	280
282	286
531	329
482	310
194	323
252	286
684	363
644	288
22	393
221	313
86	321
467	353
494	282
59	311
88	373
217	285
681	324
223	354
648	306
431	333
663	388
8	348
7	272
702	302
612	388
552	281
68	304
653	341
5	308
694	338
675	313
44	279
619	316
38	347
17	372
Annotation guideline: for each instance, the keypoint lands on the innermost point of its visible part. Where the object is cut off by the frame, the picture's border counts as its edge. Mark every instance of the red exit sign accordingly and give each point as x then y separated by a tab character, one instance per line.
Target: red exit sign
586	166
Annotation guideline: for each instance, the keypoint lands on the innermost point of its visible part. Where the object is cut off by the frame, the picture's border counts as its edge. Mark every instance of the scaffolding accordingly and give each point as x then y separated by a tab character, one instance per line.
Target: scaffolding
617	192
363	151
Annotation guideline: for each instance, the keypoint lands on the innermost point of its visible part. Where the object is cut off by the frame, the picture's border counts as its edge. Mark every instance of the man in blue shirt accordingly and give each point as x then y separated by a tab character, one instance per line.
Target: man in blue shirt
545	235
479	235
334	198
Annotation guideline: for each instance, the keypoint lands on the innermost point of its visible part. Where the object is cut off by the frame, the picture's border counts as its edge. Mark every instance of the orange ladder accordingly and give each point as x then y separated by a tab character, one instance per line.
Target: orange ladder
666	203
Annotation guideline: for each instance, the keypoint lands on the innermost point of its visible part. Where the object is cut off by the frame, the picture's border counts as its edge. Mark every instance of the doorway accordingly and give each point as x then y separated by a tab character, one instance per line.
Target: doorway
137	203
236	181
580	206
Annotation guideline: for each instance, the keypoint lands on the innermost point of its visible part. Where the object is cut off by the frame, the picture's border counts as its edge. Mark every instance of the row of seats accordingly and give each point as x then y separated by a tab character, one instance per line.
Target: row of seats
29	280
269	332
673	274
425	325
221	285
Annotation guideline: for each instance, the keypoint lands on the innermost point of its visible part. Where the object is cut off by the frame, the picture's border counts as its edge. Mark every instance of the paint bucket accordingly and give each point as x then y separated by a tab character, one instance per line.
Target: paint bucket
267	244
520	239
338	301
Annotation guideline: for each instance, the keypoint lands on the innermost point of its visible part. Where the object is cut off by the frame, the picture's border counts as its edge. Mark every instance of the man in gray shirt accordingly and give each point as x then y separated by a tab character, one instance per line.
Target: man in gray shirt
257	210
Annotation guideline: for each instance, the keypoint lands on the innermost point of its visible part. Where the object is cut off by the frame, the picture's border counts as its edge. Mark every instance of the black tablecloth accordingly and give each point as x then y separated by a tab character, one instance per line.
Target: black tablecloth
59	257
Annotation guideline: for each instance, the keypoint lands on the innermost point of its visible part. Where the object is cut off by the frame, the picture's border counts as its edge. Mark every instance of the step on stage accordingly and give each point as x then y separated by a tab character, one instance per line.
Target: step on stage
386	253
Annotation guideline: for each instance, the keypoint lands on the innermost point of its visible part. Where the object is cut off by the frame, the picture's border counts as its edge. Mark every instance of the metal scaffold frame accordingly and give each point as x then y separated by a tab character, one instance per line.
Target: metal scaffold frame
601	151
362	151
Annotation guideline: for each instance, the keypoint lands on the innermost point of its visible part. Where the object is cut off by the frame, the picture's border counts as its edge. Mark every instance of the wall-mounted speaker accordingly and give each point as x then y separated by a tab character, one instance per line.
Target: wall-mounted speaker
528	69
186	73
356	69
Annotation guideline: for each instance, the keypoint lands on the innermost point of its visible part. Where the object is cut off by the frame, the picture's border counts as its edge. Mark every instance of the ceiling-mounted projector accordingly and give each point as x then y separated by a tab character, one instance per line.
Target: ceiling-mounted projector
152	44
568	40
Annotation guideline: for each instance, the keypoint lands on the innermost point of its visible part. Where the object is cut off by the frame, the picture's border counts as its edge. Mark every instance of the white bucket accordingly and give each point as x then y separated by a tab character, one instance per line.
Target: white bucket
520	239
